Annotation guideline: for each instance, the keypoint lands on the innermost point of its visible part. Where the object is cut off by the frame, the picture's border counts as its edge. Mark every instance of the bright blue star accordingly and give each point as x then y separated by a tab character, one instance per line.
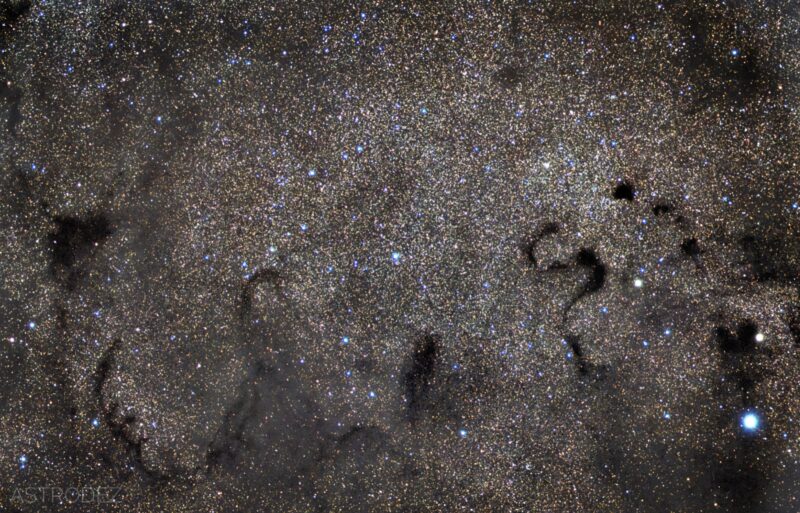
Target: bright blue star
750	421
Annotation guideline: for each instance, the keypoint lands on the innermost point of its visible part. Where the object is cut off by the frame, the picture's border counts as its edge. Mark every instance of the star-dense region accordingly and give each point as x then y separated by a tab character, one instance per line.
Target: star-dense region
414	256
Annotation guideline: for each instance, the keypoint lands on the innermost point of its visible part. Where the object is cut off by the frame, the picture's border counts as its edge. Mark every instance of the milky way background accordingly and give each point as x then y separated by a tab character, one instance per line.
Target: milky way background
400	256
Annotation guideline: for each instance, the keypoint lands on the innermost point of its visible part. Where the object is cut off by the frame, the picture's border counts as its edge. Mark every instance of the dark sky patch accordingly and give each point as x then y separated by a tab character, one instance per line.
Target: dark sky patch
623	191
73	241
420	373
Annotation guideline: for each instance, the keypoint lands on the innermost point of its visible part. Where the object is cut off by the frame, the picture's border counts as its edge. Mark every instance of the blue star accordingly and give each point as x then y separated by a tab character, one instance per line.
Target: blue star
462	433
750	421
396	257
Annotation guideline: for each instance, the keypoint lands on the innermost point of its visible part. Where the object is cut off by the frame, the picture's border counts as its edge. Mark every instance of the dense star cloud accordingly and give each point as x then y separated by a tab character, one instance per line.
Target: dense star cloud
400	256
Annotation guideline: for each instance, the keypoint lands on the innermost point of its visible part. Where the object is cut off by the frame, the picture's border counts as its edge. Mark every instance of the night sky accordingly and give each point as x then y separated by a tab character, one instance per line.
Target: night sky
311	256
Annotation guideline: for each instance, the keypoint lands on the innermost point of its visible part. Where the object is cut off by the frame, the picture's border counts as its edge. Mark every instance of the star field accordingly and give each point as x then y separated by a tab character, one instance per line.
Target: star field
399	256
